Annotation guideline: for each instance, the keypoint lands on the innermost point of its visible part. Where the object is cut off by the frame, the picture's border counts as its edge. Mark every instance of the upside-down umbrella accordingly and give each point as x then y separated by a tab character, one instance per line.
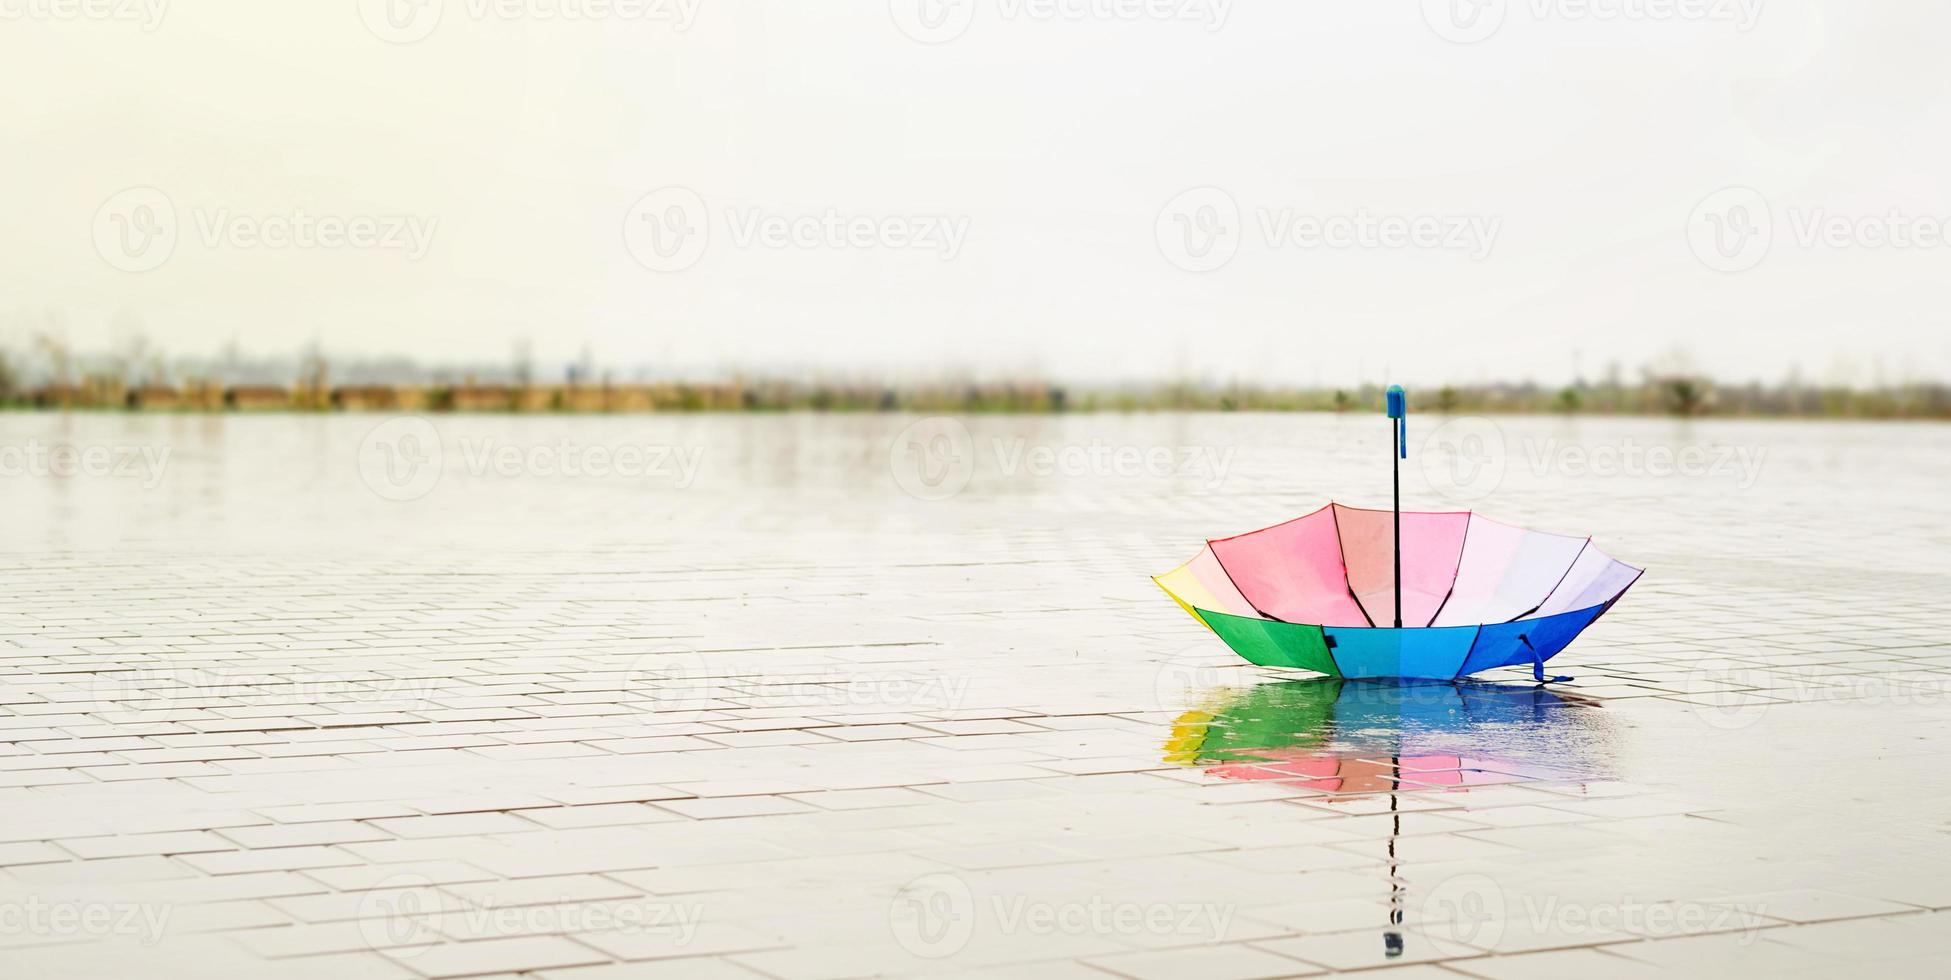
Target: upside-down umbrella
1370	738
1361	593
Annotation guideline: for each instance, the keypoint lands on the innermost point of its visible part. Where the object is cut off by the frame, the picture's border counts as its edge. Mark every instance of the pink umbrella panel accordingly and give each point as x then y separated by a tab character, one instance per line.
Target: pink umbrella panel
1319	593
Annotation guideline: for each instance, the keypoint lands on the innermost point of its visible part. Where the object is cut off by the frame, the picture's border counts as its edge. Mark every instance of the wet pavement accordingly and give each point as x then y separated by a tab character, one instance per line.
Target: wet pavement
806	696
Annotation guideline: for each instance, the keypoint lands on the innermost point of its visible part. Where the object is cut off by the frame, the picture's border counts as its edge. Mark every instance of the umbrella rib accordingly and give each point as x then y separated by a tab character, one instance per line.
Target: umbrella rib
1458	570
1342	549
1555	585
1221	562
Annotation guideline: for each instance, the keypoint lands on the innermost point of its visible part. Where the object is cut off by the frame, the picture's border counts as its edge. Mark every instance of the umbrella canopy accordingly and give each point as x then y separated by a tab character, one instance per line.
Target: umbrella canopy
1324	591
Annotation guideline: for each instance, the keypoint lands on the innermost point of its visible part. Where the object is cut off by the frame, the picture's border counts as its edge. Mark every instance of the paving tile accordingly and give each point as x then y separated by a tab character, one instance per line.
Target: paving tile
692	969
293	835
488	956
272	859
185	842
1585	964
709	939
733	806
31	852
453	825
599	815
1217	962
1811	905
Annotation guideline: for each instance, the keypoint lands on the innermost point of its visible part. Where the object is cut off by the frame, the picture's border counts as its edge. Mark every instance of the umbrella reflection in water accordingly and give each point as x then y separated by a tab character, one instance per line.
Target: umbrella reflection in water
1357	739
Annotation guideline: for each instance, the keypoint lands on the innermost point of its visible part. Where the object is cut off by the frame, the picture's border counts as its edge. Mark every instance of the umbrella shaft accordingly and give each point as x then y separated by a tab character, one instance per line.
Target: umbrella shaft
1395	467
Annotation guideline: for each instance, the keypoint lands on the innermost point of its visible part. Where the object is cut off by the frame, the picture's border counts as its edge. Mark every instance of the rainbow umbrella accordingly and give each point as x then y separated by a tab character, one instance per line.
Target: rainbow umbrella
1359	593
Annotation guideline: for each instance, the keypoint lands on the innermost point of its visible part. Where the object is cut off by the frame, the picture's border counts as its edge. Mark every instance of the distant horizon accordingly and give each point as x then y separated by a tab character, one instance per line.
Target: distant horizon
35	363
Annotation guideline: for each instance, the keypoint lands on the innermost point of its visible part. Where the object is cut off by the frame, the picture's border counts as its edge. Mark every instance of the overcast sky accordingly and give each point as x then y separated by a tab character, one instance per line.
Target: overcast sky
1382	190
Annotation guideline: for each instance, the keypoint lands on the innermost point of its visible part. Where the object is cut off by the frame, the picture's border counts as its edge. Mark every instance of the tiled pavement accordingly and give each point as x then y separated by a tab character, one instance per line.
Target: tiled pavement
786	720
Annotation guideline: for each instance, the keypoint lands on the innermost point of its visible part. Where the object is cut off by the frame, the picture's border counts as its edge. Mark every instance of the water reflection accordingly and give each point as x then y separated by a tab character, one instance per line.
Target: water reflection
1355	740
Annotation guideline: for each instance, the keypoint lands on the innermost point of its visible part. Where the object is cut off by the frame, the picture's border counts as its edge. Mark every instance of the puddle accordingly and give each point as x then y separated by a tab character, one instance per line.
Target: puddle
1366	745
1360	738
